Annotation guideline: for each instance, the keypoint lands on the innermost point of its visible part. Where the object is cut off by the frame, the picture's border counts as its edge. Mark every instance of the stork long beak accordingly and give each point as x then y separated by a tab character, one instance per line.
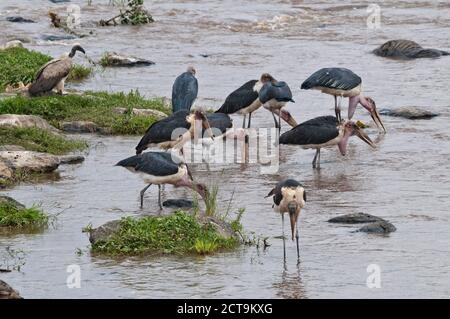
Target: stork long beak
376	118
362	135
292	207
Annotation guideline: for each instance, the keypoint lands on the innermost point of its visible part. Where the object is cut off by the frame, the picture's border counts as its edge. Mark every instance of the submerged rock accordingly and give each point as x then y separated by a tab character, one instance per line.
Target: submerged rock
406	49
11	201
356	218
115	59
178	203
30	161
141	112
79	127
7	292
14	120
52	37
409	112
379	227
59	1
18	19
71	159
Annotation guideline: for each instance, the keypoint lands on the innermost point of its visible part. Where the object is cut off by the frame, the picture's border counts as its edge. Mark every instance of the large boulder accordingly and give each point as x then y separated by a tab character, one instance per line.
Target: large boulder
30	161
7	292
25	121
406	49
409	112
379	227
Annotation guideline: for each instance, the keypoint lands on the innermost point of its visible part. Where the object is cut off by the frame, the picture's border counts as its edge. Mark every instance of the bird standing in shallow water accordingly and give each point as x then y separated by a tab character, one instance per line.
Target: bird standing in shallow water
162	168
184	90
341	82
322	132
53	74
289	196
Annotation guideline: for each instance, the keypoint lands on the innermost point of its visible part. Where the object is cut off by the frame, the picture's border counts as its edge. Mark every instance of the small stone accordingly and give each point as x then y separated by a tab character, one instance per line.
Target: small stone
17	19
79	127
379	227
409	112
115	59
11	201
104	232
178	203
5	171
71	159
51	37
356	218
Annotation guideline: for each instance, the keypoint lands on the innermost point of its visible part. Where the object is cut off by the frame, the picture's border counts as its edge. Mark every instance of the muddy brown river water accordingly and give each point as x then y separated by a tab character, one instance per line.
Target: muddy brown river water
405	180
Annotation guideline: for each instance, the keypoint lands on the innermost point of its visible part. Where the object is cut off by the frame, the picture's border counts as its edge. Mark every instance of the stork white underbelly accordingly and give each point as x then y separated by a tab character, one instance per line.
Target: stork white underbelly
274	105
336	92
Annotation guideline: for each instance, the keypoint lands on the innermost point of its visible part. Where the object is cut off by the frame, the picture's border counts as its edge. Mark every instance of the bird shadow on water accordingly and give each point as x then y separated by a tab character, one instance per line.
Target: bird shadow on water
290	285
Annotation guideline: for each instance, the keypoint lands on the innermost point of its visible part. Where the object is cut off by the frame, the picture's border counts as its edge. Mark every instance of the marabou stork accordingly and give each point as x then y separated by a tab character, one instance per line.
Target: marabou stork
322	132
289	196
343	83
184	90
162	168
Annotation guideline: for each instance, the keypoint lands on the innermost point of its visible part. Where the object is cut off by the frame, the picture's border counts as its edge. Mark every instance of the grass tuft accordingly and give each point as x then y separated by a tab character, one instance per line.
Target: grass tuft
179	233
97	107
38	140
12	216
21	65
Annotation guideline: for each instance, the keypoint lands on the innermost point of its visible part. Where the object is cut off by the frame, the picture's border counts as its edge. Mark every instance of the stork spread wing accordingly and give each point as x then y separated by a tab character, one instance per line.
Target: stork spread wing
310	133
50	75
332	78
279	91
184	92
240	98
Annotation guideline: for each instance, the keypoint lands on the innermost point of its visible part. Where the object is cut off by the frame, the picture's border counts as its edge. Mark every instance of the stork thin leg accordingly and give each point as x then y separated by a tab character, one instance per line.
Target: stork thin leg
249	120
336	110
142	194
298	248
243	122
159	197
284	239
279	123
275	120
318	160
315	158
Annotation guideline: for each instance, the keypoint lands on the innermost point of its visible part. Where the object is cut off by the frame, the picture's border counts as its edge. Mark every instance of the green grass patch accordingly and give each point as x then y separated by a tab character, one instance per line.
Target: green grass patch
12	216
38	140
91	106
21	65
179	233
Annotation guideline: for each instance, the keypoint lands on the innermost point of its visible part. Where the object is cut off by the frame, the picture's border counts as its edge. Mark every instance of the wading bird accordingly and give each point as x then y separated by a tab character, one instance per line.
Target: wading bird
53	74
289	196
274	95
245	100
324	132
162	168
165	132
341	82
184	90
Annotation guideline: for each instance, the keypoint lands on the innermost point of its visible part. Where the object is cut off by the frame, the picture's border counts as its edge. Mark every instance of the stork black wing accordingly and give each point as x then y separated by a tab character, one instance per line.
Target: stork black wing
161	131
322	120
153	163
279	91
333	78
184	92
219	121
240	98
312	133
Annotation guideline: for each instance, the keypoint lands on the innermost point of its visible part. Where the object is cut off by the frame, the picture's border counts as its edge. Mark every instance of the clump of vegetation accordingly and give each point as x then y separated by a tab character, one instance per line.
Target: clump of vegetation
21	65
14	216
179	233
97	107
38	140
134	14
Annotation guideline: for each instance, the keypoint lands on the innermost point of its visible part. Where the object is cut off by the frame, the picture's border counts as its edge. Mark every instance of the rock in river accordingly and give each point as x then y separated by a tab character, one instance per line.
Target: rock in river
178	203
18	19
409	112
379	227
406	49
7	292
14	120
115	59
51	37
30	161
79	127
11	201
356	218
